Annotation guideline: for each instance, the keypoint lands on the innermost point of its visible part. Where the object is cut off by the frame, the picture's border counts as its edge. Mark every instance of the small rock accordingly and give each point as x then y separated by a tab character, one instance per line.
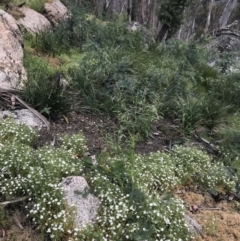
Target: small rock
77	192
193	227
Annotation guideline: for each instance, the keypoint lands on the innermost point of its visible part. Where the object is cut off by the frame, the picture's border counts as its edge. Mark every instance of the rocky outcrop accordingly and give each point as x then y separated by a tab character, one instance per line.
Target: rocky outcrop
12	72
226	43
77	193
55	11
33	21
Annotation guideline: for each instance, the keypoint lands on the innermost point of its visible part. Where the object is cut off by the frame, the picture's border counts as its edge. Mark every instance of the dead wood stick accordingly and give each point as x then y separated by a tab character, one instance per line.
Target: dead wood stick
206	142
14	201
5	99
203	208
9	90
17	222
227	32
41	117
235	195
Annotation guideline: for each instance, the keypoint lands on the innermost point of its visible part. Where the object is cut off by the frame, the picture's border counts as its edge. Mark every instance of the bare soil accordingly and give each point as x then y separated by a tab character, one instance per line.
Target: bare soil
218	225
96	127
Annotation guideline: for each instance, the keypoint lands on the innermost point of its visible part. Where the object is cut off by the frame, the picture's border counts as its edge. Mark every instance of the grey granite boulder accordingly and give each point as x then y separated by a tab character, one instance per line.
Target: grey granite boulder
23	116
12	72
54	11
77	193
33	21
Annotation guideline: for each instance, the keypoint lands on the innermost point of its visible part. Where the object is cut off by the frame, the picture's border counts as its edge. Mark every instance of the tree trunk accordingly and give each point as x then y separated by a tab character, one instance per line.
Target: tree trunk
227	12
209	16
105	7
129	10
135	10
123	6
162	33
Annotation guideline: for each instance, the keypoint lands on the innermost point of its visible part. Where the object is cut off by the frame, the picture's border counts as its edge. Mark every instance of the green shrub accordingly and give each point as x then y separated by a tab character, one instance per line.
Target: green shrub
197	167
189	114
199	111
135	189
37	5
229	135
41	90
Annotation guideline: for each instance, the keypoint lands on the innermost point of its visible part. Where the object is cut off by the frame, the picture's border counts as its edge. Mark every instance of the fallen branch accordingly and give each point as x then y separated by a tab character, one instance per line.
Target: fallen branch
16	221
41	117
203	208
14	201
4	94
13	91
227	32
207	143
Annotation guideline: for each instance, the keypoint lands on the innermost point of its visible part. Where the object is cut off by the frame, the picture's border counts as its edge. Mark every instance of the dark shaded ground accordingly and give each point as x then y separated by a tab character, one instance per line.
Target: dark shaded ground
93	126
96	127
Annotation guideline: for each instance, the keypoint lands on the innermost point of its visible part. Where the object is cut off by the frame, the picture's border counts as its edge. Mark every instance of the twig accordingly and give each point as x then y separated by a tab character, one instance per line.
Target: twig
10	90
203	208
14	201
18	223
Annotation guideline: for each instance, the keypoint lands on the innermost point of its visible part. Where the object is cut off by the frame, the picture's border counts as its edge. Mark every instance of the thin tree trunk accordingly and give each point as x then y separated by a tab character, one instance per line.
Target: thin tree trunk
123	7
105	7
162	33
153	13
129	10
135	10
227	12
179	33
209	16
142	12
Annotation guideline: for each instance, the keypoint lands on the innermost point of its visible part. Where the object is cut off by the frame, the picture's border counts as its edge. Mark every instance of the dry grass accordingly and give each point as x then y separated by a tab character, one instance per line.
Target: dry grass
15	234
14	10
218	225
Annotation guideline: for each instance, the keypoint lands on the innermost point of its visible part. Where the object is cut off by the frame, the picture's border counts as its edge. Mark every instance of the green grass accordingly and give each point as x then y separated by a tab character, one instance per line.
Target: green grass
41	89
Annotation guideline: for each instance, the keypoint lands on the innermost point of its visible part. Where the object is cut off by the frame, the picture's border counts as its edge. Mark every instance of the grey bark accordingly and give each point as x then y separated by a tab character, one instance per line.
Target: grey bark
209	16
227	12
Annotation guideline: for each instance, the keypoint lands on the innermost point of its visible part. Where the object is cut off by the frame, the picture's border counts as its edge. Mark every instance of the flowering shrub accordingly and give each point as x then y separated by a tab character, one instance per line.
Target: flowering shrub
11	133
36	173
197	167
135	190
74	144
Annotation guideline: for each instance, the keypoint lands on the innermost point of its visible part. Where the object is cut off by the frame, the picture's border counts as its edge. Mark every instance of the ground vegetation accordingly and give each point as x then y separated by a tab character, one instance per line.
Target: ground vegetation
139	85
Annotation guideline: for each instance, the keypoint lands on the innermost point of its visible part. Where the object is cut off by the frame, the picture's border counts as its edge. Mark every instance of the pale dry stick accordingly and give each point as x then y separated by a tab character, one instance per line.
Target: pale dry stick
14	201
17	222
41	117
203	208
